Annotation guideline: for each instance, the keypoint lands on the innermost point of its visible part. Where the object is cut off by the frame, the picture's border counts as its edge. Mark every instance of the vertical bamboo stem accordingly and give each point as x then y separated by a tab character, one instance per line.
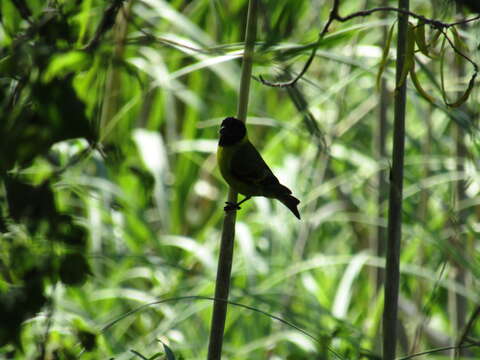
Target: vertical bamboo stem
381	137
460	302
225	257
394	230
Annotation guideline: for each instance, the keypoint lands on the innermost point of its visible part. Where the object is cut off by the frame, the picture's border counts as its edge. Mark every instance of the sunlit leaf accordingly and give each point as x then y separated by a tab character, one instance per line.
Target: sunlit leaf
384	59
62	64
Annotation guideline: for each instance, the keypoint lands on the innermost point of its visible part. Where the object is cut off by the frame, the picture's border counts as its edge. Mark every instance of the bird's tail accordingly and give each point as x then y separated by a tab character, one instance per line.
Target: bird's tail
290	202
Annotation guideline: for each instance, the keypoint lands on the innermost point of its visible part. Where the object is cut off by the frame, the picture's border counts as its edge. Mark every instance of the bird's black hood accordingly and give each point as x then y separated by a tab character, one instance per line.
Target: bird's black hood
232	131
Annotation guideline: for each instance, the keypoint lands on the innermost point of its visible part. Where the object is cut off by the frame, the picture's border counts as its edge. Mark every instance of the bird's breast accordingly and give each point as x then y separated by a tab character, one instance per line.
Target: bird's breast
225	155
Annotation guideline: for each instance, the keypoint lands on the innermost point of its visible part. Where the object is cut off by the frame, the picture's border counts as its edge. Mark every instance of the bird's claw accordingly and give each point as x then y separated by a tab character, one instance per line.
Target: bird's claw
231	206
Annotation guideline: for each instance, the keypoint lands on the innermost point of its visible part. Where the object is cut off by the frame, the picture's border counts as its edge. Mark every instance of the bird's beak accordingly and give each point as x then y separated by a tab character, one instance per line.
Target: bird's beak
222	129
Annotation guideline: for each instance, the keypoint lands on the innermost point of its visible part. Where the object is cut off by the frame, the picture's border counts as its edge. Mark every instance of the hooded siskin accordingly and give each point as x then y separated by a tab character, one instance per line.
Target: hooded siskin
243	168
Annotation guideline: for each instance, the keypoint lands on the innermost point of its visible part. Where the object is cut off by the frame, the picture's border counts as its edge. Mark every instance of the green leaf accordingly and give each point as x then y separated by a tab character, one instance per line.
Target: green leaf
458	42
464	97
138	354
420	38
10	18
419	87
63	64
442	75
409	54
155	356
168	352
432	43
386	49
434	38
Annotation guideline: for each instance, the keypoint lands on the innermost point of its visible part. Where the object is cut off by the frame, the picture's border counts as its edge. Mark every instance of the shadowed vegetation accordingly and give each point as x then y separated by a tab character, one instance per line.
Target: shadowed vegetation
112	204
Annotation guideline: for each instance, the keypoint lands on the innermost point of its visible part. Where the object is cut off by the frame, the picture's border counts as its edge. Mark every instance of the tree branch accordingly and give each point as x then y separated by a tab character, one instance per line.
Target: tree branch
334	15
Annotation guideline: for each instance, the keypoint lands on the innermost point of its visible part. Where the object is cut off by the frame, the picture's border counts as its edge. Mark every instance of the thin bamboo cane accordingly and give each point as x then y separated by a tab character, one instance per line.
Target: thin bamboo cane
394	230
225	257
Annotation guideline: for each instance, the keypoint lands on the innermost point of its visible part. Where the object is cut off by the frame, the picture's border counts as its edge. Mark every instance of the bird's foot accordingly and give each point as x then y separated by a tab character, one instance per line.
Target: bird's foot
231	206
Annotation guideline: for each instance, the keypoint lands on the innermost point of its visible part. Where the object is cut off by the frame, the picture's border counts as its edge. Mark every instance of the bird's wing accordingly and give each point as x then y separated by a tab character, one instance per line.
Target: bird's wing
248	166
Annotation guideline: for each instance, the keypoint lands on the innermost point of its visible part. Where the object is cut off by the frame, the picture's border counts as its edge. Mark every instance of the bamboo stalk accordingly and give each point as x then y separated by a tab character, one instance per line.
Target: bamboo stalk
381	136
225	257
394	230
460	276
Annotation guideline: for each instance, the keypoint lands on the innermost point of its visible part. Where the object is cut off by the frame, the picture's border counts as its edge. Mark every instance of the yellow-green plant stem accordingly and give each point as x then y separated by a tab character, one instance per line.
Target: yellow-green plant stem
111	103
394	229
225	257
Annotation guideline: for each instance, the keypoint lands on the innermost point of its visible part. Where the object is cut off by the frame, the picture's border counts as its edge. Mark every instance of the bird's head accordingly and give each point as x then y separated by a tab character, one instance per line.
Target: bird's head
232	131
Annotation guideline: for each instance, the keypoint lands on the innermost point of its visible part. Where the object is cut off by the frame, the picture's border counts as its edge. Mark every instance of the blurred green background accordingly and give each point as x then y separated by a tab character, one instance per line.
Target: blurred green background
111	198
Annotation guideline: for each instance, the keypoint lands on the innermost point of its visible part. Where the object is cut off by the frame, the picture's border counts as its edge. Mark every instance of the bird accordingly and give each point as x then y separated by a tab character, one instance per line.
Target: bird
244	169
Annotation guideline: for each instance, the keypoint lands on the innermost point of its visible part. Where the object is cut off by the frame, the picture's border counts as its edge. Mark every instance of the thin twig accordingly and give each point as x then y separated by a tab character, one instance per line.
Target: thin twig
474	64
427	307
147	36
468	327
464	21
298	77
445	348
334	15
433	22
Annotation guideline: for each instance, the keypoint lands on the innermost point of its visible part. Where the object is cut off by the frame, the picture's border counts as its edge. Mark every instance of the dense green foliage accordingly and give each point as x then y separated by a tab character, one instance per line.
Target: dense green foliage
112	204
